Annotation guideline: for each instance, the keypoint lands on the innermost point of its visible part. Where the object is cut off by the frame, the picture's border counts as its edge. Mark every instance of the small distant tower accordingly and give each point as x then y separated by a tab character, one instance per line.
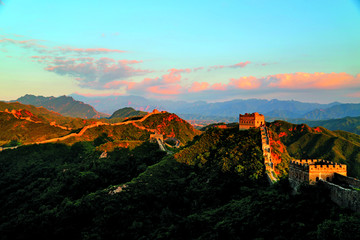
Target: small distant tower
251	120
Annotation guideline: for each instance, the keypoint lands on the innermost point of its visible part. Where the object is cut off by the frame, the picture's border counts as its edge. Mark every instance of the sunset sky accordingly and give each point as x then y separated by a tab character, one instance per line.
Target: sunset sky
303	50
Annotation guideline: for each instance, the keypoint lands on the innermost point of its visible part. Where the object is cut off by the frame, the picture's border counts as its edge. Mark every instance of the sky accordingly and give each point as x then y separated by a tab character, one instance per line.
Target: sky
301	50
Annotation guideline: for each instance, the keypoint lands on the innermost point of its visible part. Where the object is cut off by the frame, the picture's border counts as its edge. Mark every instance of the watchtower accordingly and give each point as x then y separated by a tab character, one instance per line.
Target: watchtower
312	170
251	120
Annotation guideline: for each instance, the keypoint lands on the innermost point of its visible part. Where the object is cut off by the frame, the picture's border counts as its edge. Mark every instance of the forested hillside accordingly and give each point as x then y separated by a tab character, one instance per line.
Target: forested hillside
21	131
349	124
170	125
303	142
45	116
53	191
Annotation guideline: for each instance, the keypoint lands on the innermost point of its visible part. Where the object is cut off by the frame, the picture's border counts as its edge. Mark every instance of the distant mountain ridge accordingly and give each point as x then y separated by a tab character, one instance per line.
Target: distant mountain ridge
349	124
337	111
270	108
64	105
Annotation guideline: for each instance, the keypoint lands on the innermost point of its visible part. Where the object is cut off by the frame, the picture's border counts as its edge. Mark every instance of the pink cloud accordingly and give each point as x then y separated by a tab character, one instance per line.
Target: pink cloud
245	82
199	86
198	68
88	50
215	67
34	45
28	44
317	80
237	65
129	61
174	76
165	89
119	83
219	86
240	64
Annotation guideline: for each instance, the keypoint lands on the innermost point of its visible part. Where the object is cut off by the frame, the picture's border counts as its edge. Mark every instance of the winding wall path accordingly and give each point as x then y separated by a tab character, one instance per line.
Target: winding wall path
97	124
269	165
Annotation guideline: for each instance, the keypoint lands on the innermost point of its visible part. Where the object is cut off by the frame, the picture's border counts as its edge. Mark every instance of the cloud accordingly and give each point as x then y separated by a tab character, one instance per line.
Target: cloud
34	45
199	87
291	81
237	65
246	83
198	68
103	73
219	86
167	84
174	76
317	80
89	51
120	83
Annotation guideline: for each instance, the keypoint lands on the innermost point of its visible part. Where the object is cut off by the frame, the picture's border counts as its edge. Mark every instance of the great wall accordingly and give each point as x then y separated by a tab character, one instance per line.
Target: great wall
97	124
256	120
343	190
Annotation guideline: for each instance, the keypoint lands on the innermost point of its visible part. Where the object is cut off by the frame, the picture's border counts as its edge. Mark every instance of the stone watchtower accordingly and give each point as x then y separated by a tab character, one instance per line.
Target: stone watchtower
251	120
312	170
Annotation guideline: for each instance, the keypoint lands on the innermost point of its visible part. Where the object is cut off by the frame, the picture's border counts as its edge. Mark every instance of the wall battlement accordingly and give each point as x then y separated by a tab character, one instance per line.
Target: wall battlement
334	167
312	170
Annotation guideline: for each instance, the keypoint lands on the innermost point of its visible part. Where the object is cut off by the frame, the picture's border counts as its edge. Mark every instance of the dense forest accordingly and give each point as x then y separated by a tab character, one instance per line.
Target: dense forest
213	188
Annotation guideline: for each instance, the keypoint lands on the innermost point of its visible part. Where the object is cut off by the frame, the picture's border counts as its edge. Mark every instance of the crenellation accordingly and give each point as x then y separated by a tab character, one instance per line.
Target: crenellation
312	170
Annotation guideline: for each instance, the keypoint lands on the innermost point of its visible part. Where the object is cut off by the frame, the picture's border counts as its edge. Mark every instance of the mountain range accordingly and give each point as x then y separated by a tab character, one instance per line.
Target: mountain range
27	124
64	105
274	108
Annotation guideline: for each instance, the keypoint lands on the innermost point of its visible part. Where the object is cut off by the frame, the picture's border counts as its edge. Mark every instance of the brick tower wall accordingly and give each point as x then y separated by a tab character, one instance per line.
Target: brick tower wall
253	120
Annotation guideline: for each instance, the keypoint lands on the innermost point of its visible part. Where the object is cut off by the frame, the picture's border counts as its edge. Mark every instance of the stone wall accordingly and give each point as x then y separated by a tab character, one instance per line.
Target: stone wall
346	198
347	180
312	170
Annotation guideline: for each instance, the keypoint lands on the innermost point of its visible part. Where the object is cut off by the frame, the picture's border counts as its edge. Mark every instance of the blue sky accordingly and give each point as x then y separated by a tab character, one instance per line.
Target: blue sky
189	50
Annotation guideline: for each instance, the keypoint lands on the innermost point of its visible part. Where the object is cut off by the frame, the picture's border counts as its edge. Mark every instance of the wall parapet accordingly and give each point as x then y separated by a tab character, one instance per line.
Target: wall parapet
346	198
312	170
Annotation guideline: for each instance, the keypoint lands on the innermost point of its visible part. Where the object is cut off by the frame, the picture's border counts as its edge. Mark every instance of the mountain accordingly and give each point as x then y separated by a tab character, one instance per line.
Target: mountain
134	131
290	109
337	111
22	127
127	112
29	124
349	124
304	142
46	116
64	105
